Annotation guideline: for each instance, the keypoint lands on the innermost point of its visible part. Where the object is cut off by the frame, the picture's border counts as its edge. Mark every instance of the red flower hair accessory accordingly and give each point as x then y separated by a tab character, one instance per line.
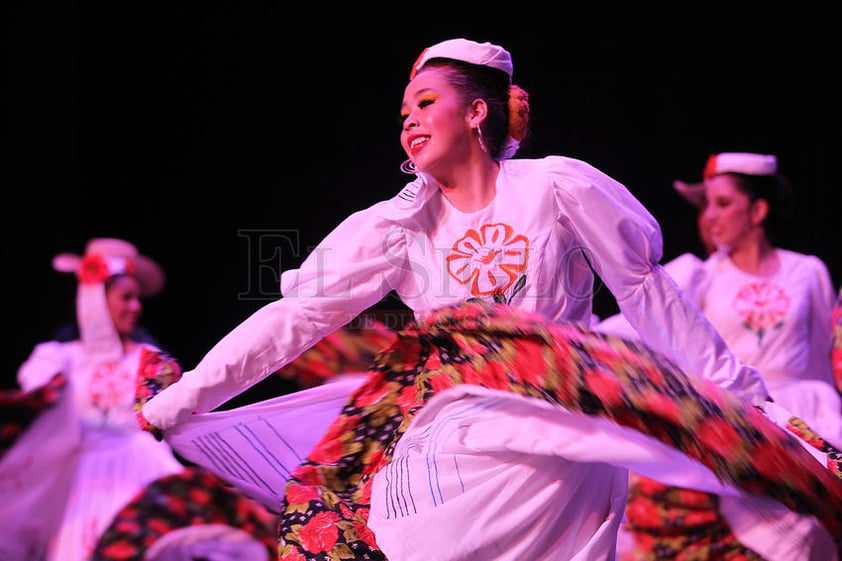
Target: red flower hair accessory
740	162
106	257
92	270
95	268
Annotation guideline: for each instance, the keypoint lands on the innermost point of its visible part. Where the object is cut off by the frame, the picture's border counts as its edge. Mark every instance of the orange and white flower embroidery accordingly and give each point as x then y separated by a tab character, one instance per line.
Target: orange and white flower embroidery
488	260
761	307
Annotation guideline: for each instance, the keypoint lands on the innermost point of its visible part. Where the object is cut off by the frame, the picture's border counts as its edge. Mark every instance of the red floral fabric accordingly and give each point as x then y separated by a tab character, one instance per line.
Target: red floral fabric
672	523
836	352
189	498
157	370
343	351
18	409
327	499
681	524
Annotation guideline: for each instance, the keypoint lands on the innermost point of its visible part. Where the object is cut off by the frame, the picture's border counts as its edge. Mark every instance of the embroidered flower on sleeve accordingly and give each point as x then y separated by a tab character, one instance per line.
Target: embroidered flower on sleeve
762	307
488	260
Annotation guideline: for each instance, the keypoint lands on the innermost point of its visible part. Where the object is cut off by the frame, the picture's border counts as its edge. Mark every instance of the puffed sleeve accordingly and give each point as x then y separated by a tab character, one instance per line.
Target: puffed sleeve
353	268
625	247
45	361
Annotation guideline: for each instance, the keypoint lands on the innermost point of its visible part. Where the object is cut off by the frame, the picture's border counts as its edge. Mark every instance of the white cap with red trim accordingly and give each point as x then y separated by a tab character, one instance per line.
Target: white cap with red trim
483	54
740	162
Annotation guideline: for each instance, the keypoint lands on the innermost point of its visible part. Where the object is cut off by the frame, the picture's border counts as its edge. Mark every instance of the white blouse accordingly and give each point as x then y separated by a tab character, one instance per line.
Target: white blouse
779	324
552	220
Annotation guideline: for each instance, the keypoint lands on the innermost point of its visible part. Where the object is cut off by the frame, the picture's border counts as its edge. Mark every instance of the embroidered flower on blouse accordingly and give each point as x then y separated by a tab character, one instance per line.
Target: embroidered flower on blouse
110	383
488	260
761	307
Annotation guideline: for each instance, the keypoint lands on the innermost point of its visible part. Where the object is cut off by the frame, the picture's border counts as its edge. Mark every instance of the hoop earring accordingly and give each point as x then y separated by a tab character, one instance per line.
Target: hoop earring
408	167
481	140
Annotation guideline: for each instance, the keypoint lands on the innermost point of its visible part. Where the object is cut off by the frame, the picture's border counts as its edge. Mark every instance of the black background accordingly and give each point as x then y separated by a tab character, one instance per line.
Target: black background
193	130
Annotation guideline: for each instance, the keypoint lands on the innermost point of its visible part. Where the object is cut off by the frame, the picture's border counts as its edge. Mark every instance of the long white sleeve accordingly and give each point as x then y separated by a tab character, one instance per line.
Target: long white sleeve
625	246
352	269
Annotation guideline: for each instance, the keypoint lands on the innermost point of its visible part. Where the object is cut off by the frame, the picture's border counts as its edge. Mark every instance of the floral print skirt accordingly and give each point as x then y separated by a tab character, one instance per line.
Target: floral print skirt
325	511
193	498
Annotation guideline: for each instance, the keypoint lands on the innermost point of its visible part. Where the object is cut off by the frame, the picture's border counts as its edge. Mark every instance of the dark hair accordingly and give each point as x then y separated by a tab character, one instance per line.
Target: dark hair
474	81
777	191
109	282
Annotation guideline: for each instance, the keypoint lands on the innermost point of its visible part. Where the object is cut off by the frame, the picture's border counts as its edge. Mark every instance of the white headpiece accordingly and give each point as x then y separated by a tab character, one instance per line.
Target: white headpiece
483	54
104	258
740	162
726	162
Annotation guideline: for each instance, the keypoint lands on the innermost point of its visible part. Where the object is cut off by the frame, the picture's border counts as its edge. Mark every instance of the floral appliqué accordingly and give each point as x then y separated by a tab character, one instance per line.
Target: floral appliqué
110	384
761	307
490	260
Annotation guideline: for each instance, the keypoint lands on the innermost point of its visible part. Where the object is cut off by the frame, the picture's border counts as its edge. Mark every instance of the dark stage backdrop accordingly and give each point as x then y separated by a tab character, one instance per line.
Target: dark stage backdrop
225	139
